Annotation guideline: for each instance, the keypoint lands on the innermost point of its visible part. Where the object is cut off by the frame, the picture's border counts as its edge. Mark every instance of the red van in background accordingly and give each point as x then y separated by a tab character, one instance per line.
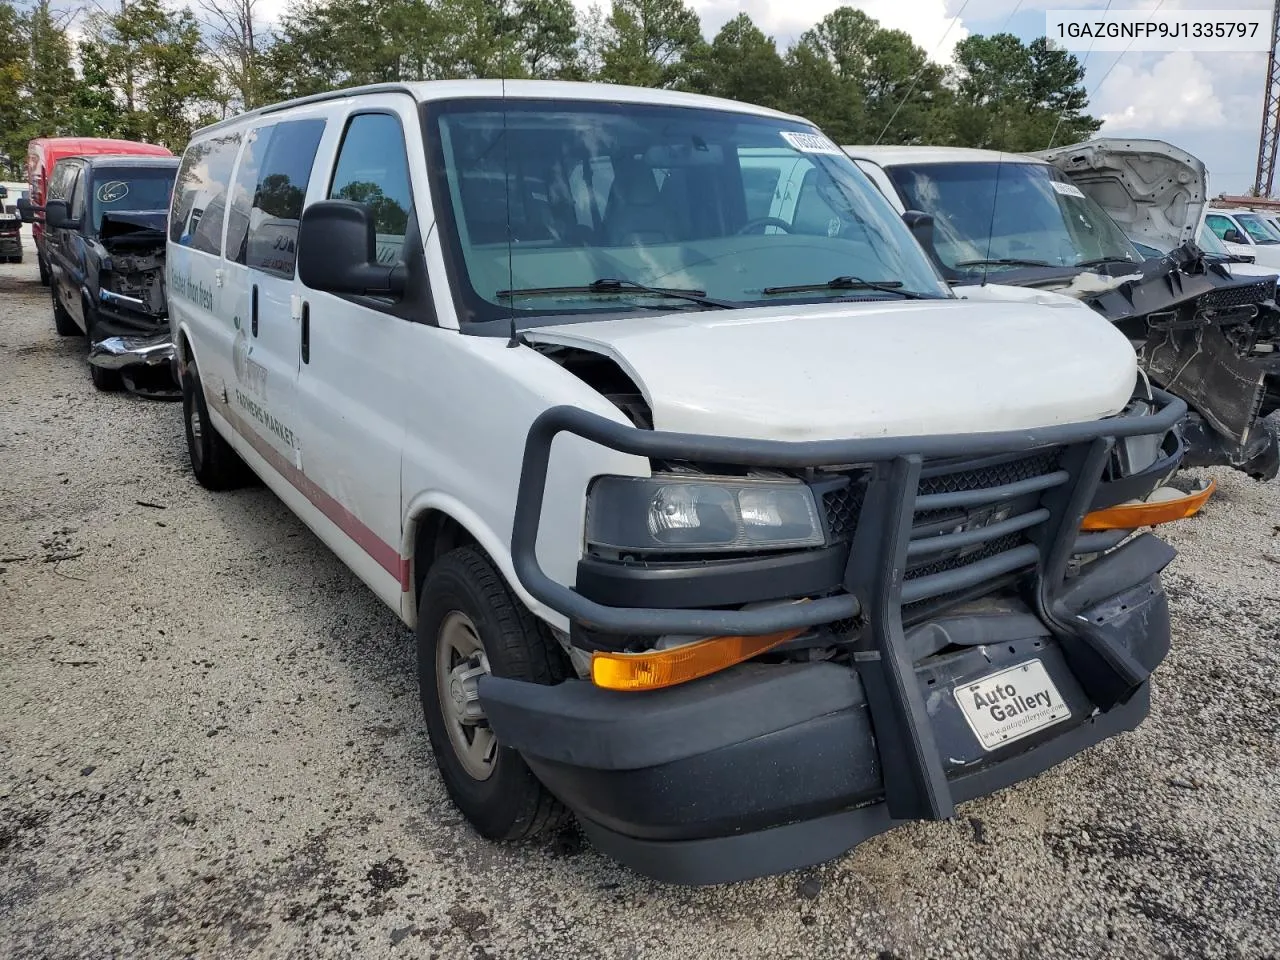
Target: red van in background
44	152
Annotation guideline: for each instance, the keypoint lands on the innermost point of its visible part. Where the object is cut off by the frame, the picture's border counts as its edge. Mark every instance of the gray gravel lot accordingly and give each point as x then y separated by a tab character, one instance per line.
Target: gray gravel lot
211	745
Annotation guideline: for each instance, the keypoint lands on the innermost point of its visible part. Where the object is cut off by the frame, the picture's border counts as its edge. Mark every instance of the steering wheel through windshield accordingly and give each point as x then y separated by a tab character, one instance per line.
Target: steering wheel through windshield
763	222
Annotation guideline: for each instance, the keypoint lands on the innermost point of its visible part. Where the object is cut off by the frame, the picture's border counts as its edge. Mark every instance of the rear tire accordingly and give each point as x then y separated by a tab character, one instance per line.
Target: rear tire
63	322
466	604
214	462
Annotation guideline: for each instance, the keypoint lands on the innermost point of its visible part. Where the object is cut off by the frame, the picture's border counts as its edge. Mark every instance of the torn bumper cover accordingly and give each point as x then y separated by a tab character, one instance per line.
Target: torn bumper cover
771	766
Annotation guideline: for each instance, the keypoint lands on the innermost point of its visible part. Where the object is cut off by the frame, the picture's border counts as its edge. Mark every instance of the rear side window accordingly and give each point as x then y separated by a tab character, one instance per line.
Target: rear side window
281	189
200	193
372	169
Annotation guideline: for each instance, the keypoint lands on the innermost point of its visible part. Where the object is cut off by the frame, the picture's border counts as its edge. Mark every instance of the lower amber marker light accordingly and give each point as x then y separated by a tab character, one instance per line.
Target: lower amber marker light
656	669
1130	516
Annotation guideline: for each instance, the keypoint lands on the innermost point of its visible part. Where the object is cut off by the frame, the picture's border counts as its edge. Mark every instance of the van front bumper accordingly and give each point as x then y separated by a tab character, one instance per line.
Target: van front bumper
771	767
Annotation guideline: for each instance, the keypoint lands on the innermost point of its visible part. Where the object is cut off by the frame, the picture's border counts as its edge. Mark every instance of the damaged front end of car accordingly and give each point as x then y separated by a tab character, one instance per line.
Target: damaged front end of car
1208	337
131	329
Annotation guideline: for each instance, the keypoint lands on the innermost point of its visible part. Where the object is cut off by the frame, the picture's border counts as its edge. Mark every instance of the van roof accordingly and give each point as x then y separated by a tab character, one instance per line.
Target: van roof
896	156
84	145
429	90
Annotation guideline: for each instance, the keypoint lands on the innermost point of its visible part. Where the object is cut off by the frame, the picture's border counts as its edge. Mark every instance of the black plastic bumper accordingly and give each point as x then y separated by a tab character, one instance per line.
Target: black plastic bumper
721	779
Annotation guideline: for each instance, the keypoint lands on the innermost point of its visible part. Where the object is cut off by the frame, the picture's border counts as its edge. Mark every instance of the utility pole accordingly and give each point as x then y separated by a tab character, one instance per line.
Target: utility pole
1270	135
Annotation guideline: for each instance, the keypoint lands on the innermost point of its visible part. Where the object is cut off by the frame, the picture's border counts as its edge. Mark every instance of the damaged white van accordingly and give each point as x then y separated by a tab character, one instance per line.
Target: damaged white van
722	523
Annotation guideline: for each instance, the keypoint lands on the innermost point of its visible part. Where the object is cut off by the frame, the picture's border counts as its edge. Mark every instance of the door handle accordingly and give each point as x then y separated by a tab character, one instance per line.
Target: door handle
306	332
253	309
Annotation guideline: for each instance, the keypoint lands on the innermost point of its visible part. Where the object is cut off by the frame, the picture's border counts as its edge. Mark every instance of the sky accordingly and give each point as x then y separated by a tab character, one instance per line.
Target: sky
1209	104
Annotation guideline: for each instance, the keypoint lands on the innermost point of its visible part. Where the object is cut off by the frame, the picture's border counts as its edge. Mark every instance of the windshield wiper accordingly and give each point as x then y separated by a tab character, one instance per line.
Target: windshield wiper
1103	261
1005	262
607	286
848	283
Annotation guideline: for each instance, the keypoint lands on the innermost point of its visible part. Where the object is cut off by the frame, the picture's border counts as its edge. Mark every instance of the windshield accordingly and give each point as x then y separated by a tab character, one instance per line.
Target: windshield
1257	228
1210	243
1022	213
726	204
133	190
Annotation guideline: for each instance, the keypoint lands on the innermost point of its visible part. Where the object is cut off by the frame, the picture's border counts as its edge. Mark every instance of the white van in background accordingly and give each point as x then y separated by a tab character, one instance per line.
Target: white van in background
1246	233
722	523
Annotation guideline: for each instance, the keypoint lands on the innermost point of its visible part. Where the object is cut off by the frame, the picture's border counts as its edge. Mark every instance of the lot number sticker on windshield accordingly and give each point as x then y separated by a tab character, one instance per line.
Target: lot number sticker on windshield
1067	189
810	142
1011	704
112	190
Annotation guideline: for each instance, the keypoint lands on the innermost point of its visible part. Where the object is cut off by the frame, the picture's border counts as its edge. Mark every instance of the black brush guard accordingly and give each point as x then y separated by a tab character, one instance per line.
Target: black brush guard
874	583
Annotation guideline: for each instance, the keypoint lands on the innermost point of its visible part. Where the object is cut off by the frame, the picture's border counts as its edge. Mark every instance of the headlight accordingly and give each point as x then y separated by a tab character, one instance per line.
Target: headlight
667	514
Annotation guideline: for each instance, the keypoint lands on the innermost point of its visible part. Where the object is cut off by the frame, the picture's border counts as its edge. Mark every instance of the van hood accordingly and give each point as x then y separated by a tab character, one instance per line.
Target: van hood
1156	192
853	370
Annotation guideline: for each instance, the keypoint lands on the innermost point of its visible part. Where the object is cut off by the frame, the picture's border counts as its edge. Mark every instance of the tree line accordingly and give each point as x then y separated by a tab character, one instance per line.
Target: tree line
147	71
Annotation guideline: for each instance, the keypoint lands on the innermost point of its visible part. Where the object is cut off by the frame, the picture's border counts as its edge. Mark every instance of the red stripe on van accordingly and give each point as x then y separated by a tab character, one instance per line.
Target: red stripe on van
386	556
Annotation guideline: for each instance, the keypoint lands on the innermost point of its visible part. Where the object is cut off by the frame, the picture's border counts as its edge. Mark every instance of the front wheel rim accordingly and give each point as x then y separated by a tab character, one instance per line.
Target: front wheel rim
460	662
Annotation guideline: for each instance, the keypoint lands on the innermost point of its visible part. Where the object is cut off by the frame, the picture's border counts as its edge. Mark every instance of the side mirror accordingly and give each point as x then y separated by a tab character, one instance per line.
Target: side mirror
25	210
57	215
337	251
4	191
921	226
1234	236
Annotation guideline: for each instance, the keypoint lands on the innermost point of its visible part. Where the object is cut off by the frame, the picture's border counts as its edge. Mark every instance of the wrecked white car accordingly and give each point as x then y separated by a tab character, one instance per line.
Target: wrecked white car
1061	223
722	522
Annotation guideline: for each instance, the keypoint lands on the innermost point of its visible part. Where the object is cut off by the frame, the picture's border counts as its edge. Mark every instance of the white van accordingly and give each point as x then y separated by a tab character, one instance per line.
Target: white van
721	521
1246	233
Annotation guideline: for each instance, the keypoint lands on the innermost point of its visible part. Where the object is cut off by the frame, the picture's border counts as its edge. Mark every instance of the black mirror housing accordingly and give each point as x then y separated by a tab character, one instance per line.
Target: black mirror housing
337	251
56	214
1234	236
921	226
25	210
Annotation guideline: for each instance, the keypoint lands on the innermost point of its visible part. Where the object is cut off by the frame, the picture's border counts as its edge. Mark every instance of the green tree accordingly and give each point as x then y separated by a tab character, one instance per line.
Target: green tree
741	63
650	43
850	74
12	76
1015	96
152	59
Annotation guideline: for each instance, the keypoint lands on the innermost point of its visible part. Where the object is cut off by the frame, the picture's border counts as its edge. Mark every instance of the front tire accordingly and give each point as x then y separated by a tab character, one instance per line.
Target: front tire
468	622
44	270
214	462
108	381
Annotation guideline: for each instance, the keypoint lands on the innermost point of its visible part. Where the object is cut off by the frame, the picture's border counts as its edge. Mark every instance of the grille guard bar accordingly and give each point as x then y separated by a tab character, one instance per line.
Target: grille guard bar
915	780
876	452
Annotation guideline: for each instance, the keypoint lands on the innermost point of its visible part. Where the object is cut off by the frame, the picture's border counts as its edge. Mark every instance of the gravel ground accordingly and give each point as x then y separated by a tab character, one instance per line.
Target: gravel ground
211	746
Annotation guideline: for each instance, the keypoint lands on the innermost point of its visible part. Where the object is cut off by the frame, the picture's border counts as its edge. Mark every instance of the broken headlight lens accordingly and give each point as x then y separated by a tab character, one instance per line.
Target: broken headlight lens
670	514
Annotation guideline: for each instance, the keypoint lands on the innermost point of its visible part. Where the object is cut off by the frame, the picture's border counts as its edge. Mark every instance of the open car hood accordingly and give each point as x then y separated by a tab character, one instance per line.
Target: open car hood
828	371
1156	192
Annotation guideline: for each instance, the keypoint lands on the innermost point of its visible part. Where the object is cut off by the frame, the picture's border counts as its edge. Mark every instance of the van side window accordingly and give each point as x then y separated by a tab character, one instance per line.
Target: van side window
242	192
373	169
200	196
1219	225
279	194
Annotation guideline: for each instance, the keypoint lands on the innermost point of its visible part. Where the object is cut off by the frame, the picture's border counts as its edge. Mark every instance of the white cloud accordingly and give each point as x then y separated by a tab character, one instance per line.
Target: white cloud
1175	93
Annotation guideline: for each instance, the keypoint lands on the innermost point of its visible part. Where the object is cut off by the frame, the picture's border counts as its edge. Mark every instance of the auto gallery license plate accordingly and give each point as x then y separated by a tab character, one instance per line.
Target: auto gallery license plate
1011	704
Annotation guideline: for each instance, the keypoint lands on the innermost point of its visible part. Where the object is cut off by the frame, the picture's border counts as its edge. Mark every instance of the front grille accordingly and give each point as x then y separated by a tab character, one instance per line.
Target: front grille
842	507
992	472
1229	297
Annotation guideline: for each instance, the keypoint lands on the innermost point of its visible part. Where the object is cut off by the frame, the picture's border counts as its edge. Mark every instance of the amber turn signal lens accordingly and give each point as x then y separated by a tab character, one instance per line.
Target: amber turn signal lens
656	669
1130	516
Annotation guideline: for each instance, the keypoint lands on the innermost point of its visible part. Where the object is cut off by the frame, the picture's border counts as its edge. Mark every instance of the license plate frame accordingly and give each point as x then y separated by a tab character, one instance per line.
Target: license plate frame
1010	704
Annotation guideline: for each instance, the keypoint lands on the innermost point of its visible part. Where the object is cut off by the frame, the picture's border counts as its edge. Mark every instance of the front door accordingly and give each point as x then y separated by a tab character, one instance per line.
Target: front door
351	393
